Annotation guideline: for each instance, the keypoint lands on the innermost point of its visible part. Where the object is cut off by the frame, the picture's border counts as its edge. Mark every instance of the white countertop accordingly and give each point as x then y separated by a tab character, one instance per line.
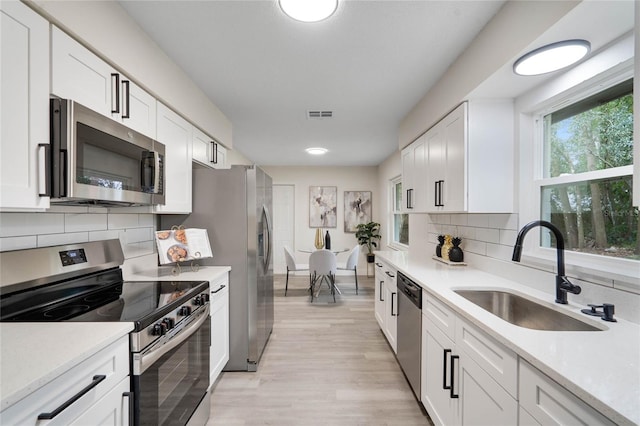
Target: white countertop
163	273
33	354
600	367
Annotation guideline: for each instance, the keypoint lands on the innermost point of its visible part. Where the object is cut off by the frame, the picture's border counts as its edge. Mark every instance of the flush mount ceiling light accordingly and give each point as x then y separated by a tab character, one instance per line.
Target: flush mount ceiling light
309	10
317	151
552	57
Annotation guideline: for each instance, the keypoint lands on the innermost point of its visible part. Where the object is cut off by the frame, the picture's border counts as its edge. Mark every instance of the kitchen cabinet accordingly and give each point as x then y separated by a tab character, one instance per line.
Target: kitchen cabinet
176	134
464	163
386	302
219	303
101	384
207	151
414	176
548	403
466	375
79	74
24	108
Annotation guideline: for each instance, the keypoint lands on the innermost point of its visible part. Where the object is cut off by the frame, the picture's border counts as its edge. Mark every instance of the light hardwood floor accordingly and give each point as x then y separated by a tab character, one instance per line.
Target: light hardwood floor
325	364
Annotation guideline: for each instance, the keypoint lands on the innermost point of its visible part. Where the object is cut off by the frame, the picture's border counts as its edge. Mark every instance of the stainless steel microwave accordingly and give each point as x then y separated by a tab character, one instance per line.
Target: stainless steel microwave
93	160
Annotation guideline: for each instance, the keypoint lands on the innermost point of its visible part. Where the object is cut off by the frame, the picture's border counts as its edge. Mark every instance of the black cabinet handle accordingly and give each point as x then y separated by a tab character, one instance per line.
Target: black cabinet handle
379	265
444	369
392	314
380	297
390	275
115	92
435	193
453	360
219	289
440	194
95	381
44	168
127	98
131	406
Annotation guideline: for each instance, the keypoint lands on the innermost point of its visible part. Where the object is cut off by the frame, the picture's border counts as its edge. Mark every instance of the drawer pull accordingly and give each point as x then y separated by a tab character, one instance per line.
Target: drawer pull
219	288
453	360
95	381
129	396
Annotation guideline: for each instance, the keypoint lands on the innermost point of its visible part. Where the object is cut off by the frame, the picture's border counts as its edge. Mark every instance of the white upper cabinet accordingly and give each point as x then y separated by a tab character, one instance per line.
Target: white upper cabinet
414	172
467	165
24	109
79	74
176	134
207	151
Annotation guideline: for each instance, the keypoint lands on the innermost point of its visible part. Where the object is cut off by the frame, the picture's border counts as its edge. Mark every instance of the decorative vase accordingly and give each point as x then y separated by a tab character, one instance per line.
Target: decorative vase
371	257
327	241
439	246
455	253
446	247
319	242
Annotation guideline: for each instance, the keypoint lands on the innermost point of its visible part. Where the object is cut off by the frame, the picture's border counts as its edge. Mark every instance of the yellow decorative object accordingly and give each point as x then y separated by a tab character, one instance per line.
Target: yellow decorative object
319	242
446	247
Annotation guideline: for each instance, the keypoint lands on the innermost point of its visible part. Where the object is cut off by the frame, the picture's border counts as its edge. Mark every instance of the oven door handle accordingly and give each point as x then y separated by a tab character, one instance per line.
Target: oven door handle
148	358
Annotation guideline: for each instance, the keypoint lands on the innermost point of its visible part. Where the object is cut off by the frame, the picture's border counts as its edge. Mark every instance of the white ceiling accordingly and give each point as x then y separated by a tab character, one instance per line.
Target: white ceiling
370	64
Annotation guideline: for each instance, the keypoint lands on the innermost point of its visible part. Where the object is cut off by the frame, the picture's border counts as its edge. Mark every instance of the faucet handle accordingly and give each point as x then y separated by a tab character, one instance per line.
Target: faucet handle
608	311
593	311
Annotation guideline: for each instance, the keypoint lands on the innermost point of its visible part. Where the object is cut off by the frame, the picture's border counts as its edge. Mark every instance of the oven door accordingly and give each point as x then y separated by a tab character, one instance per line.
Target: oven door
170	381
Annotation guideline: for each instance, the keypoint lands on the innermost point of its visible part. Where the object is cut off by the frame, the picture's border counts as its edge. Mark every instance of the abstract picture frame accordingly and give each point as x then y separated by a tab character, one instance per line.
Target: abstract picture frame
323	207
357	209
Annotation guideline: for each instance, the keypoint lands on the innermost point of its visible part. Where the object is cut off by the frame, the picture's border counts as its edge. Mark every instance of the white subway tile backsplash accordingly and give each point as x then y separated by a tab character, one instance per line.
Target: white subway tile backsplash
508	237
84	222
136	235
138	249
488	235
103	235
23	224
18	243
478	220
147	220
498	251
503	221
477	247
466	233
122	221
47	240
57	208
459	219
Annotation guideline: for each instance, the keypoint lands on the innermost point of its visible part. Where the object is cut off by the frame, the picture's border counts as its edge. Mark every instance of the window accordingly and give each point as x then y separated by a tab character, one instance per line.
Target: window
586	181
399	220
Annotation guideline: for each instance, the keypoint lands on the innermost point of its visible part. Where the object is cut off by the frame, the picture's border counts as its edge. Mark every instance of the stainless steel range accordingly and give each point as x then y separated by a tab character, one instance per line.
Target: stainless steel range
171	338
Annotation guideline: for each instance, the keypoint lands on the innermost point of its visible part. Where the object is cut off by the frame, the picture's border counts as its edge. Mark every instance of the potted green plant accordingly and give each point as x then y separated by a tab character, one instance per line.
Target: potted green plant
367	234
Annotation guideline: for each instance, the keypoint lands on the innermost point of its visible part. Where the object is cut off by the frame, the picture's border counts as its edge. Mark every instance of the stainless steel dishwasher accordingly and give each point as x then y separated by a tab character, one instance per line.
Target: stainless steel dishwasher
409	331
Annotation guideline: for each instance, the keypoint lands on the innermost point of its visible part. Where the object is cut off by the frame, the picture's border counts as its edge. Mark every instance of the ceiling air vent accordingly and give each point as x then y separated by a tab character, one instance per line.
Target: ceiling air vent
319	115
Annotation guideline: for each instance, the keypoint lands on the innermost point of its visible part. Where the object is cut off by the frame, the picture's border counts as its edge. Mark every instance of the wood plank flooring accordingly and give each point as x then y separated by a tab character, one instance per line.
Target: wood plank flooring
325	364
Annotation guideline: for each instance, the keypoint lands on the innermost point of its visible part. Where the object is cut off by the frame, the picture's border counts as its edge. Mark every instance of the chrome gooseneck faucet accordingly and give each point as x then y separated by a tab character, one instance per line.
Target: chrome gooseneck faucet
563	285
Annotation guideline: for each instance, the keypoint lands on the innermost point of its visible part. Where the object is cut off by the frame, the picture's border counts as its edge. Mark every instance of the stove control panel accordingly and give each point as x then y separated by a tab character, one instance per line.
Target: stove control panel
73	257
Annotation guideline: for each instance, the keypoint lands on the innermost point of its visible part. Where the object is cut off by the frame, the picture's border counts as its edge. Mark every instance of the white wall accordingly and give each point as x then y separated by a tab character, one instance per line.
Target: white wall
345	179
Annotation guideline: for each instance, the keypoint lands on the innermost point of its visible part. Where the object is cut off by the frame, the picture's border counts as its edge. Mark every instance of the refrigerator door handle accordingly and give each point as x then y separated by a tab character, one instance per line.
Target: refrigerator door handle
267	237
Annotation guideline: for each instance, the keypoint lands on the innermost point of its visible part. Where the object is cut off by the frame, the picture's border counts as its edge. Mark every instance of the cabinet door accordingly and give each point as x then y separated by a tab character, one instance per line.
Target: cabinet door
482	400
24	108
201	147
436	375
391	310
420	201
113	409
220	159
78	74
138	110
407	178
435	167
175	132
379	294
453	189
219	328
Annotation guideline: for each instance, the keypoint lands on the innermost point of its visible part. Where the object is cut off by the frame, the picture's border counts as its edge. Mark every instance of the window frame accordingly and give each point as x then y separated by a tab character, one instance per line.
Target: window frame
392	213
593	267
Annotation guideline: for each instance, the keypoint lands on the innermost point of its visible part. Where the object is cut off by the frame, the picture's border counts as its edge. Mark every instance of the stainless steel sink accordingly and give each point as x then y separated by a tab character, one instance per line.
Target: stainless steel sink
524	312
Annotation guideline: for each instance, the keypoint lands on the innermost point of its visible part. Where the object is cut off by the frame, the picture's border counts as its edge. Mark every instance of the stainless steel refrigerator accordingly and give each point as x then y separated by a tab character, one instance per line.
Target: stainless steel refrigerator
234	205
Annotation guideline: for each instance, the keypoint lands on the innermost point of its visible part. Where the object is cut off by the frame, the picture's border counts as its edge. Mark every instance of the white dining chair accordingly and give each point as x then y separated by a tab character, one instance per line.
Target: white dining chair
292	266
323	267
352	263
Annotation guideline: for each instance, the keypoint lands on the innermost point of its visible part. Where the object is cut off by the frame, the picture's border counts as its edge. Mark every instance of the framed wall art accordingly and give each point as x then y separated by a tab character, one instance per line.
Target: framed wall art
323	206
357	209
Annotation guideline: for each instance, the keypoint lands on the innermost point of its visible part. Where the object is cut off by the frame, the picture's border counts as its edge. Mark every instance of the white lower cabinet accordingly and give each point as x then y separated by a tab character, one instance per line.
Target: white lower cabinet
467	377
219	303
95	391
386	302
549	403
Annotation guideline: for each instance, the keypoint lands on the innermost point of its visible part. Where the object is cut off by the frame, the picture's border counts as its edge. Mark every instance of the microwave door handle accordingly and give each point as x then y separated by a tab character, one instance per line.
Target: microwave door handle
157	173
44	170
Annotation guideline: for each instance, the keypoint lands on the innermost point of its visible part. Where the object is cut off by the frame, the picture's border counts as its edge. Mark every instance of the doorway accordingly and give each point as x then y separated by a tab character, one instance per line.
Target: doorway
283	224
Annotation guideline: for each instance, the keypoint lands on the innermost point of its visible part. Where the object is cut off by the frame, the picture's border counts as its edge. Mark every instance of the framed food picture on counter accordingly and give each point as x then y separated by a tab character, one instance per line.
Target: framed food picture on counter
323	206
357	209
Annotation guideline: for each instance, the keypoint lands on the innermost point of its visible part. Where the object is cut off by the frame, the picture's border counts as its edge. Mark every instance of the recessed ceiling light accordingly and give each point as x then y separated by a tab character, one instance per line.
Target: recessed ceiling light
552	57
317	151
309	10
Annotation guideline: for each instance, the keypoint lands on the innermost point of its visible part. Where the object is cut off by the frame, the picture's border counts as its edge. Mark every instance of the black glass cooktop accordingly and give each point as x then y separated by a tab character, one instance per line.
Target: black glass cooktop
100	298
